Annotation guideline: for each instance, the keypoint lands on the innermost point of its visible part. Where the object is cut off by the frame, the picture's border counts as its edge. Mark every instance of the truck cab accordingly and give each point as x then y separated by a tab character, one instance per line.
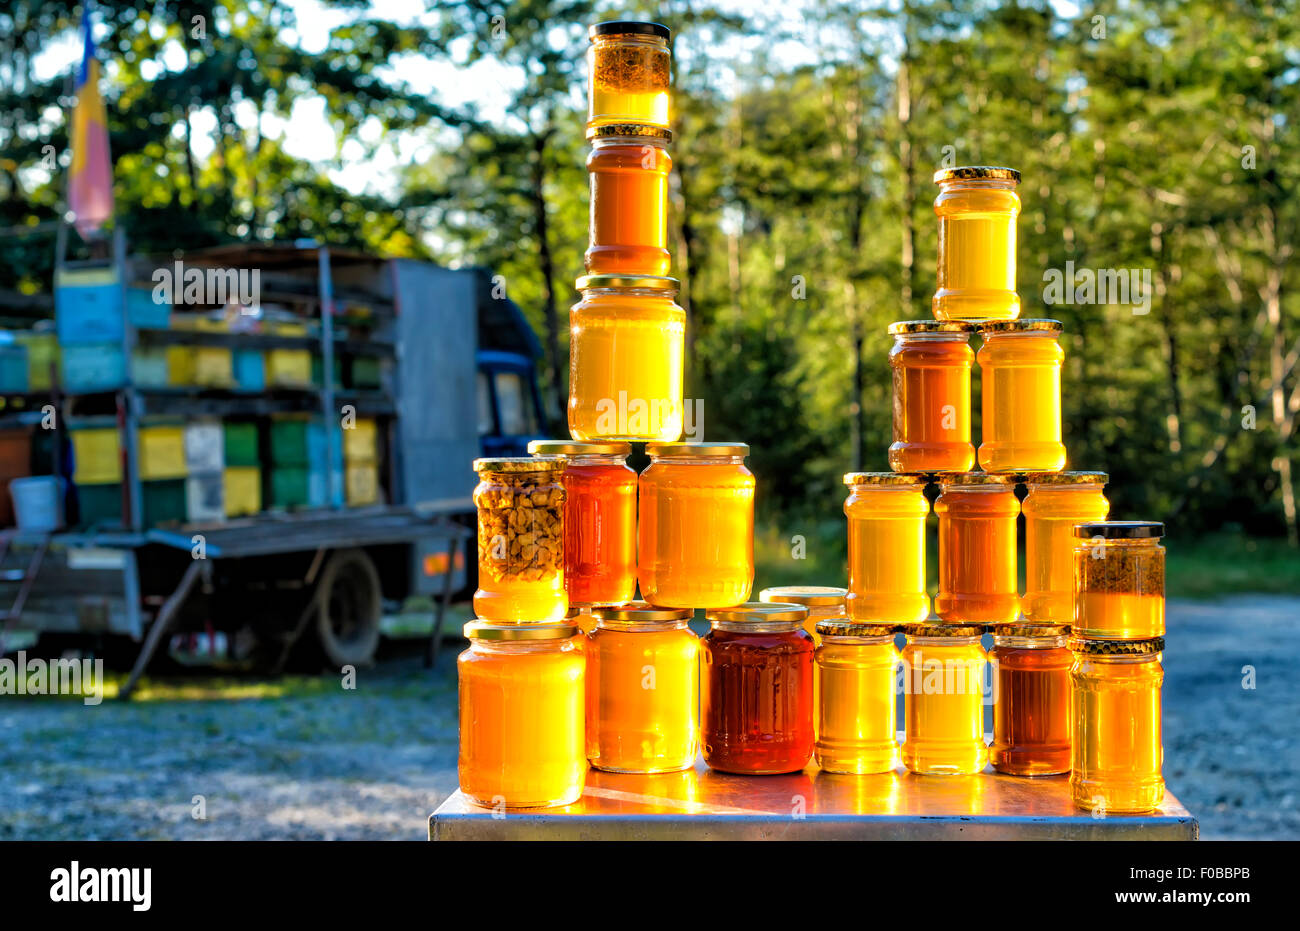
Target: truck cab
509	403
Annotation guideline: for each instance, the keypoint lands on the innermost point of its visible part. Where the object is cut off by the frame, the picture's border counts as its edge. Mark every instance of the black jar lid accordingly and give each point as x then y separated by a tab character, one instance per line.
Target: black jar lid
628	28
1121	530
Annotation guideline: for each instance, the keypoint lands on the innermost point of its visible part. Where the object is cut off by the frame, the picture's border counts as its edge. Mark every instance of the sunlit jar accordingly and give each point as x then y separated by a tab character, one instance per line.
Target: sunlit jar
628	66
1055	502
1020	376
643	692
977	549
931	363
520	505
822	601
886	515
977	208
756	690
943	700
521	715
1115	697
1119	580
696	525
599	520
626	339
857	720
1031	700
628	168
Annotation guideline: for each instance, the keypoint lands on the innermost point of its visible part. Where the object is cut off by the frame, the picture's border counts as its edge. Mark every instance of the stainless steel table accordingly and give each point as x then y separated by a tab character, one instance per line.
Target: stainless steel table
701	804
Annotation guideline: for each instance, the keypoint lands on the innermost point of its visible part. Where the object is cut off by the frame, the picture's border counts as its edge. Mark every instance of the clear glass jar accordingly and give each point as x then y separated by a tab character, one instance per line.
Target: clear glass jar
599	520
696	526
943	700
521	716
1031	700
629	68
931	363
1119	580
756	691
628	170
886	514
643	692
1118	754
856	714
977	549
626	342
822	601
1055	502
977	209
1020	375
520	505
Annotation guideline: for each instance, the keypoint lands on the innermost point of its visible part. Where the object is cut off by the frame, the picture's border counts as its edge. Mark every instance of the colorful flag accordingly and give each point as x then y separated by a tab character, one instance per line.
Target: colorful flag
90	181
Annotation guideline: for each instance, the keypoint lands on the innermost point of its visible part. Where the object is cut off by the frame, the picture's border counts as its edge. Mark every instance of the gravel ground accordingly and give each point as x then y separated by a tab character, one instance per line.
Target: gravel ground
307	759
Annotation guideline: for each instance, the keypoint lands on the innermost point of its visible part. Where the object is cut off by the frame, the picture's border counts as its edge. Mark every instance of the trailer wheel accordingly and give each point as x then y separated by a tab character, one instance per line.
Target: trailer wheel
348	609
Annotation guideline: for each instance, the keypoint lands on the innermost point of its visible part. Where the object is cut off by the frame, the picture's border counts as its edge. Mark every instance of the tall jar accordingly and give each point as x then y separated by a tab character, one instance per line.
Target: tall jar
628	168
822	601
1118	755
856	715
626	339
943	700
520	505
696	525
977	549
521	716
1020	374
642	690
1119	580
977	209
1031	700
1055	502
628	64
931	363
886	515
599	520
756	690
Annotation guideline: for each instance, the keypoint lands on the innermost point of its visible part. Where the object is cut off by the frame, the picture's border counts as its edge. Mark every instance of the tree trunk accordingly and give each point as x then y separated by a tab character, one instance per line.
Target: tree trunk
554	370
907	161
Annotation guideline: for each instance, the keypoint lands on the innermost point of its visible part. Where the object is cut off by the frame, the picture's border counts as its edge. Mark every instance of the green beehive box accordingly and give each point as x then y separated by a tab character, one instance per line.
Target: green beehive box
241	444
163	502
366	372
290	486
101	505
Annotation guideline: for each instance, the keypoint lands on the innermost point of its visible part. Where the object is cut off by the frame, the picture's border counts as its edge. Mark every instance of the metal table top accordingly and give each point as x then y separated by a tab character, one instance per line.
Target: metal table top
701	804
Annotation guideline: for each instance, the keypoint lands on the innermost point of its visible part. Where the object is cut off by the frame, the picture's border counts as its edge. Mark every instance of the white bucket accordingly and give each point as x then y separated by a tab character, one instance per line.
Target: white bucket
38	503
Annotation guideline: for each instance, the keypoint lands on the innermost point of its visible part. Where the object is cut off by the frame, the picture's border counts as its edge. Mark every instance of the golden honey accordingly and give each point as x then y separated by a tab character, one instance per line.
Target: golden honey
1119	580
1054	504
977	549
931	363
886	515
977	209
1020	375
628	169
856	716
943	699
629	67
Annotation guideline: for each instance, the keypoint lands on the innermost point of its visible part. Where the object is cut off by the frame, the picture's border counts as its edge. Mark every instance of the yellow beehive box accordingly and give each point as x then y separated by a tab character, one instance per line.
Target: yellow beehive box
362	484
242	486
288	367
162	453
96	455
213	366
361	442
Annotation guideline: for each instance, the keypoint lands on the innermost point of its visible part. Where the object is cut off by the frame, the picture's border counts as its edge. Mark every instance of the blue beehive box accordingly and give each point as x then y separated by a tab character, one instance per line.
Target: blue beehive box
144	312
93	367
13	369
87	307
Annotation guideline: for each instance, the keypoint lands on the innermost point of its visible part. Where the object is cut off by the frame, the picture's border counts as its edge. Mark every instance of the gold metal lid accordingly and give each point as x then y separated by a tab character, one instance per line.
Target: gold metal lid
643	131
838	627
1027	629
758	612
884	478
642	282
1065	478
1118	647
1120	530
808	595
931	326
520	464
641	611
482	630
938	629
1019	326
627	28
578	448
696	449
976	478
976	173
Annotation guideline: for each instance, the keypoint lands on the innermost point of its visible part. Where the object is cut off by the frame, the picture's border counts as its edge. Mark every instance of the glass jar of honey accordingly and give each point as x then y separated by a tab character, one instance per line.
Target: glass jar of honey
628	64
521	715
977	549
696	525
643	692
886	514
1119	580
626	341
1115	697
822	602
931	364
628	169
599	519
856	716
943	699
977	208
756	690
1031	700
520	505
1055	502
1020	375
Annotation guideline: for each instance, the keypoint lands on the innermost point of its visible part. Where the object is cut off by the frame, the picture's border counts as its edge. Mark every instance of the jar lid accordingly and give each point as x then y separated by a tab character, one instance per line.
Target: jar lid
1120	530
883	478
627	28
837	627
686	450
642	282
1019	326
520	464
647	131
758	612
931	326
976	173
1027	629
641	611
577	448
976	478
482	630
808	595
1065	478
938	629
1118	647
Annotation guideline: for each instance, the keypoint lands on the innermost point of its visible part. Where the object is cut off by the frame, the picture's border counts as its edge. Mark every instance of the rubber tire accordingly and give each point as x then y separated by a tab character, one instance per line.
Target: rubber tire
347	567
